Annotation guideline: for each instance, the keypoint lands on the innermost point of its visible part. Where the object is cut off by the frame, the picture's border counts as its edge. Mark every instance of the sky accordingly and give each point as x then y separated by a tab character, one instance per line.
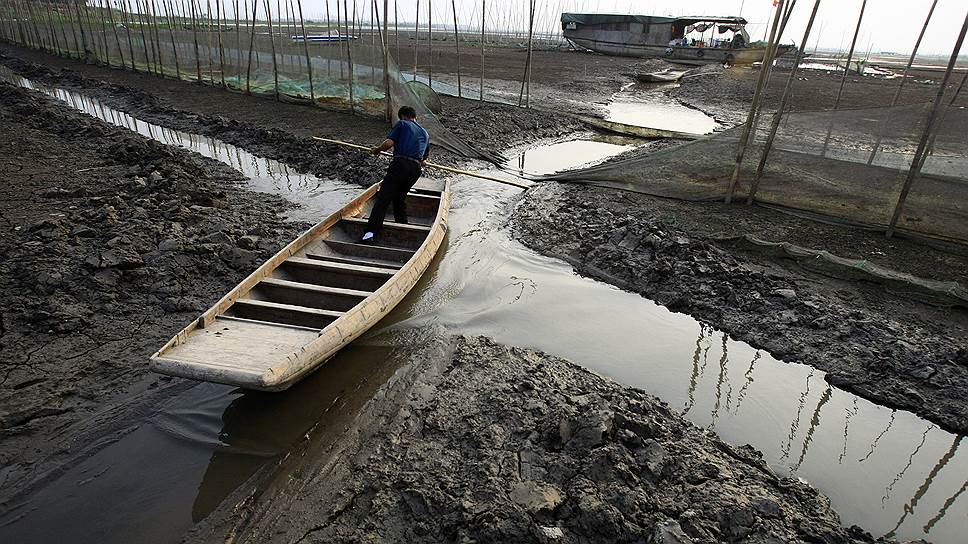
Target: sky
889	25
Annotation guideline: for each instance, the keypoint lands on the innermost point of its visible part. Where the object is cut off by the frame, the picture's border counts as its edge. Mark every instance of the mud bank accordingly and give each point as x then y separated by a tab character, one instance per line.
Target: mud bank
111	242
881	346
544	451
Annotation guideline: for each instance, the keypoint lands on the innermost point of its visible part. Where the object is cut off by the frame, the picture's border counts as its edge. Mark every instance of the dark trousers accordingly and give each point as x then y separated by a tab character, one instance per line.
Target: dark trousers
401	175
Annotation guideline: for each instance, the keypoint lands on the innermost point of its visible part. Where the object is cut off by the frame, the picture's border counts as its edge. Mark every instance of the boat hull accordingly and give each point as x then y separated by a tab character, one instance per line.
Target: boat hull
690	56
271	356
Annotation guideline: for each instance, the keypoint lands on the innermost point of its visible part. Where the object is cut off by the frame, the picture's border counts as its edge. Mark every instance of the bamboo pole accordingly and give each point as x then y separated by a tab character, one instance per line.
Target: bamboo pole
329	34
339	34
248	70
843	77
430	164
919	154
783	99
144	39
171	34
385	41
483	12
221	51
396	28
771	53
272	43
309	62
238	40
104	34
77	43
53	32
156	26
453	6
349	54
127	29
757	94
527	62
430	44
208	40
198	59
416	38
114	26
904	76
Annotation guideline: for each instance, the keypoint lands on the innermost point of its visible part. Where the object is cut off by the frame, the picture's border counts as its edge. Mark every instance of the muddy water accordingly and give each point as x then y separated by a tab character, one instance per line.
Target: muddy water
653	108
886	470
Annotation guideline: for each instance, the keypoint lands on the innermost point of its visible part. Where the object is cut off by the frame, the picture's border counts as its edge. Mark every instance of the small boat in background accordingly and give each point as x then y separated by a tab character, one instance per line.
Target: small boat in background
312	298
663	76
329	38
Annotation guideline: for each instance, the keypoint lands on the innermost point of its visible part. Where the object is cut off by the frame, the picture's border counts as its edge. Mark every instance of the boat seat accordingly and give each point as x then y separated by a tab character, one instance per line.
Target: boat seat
393	267
330	274
393	254
399	235
289	314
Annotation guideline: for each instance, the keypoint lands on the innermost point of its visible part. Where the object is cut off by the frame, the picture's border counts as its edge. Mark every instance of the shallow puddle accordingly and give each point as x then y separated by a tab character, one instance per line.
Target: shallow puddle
565	155
885	470
655	109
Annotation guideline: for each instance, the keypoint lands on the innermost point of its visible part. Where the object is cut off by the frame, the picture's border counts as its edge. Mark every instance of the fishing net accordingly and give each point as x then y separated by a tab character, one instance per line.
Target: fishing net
339	67
847	166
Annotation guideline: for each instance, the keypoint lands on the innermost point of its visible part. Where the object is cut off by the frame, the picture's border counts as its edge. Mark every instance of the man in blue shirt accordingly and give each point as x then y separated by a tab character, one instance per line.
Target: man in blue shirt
411	147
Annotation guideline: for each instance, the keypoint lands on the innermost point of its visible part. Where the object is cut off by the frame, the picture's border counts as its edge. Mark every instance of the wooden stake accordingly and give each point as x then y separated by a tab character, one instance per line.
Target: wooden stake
198	59
483	13
248	70
272	42
919	155
416	38
527	62
746	136
171	33
783	99
453	6
843	77
430	44
430	164
349	54
904	76
221	51
384	41
309	62
127	29
155	25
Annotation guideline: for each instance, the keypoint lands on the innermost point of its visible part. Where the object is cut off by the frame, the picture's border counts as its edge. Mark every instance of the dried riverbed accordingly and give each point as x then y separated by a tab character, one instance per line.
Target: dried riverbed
399	507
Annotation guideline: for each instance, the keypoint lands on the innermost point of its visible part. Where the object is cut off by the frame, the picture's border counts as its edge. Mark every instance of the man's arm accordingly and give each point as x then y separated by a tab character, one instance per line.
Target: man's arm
385	146
423	161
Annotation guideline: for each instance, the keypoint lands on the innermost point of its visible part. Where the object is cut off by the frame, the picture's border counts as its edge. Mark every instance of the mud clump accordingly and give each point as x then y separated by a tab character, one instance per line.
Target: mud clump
862	340
111	243
545	451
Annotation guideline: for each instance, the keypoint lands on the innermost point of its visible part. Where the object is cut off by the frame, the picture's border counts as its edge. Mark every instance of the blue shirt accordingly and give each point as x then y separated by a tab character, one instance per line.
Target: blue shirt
409	139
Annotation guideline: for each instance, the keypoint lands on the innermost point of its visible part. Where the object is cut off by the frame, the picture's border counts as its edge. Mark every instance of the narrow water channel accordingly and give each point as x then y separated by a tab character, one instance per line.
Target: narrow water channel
885	470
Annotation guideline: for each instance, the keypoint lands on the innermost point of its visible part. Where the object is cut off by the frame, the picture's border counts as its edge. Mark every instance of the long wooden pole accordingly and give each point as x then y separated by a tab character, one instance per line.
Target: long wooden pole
453	6
309	60
919	154
430	164
349	54
483	13
783	100
221	52
156	26
127	29
430	44
904	76
385	41
248	69
416	38
198	59
171	33
746	136
527	62
272	42
843	77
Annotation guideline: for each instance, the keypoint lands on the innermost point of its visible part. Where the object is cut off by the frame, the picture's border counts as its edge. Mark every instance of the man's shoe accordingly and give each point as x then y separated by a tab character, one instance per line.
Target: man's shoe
367	238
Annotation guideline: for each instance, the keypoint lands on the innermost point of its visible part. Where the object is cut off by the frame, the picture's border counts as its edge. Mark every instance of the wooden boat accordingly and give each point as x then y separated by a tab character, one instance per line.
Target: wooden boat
312	298
664	76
